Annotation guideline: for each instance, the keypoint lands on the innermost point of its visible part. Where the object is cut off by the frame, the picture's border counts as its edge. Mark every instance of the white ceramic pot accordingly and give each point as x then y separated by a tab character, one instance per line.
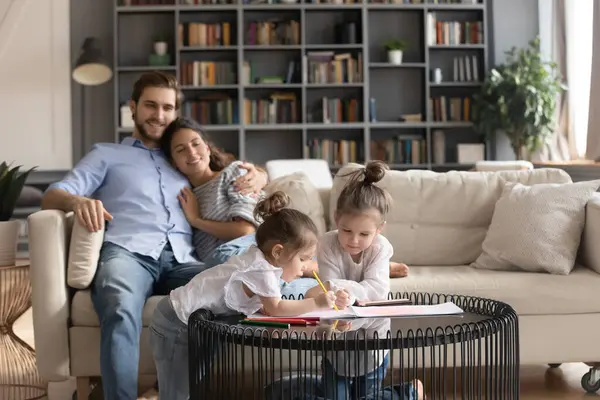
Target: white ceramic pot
9	236
395	57
160	48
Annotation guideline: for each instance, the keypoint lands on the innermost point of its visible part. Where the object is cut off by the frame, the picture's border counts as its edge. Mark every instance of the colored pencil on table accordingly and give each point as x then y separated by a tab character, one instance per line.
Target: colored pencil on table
323	287
265	324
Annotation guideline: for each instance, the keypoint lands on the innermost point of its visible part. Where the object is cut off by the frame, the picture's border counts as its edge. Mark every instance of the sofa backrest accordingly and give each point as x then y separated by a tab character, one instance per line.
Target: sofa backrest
442	218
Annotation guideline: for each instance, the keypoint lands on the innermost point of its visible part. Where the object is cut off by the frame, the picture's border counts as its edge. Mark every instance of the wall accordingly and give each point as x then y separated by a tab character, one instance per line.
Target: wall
515	22
92	18
35	79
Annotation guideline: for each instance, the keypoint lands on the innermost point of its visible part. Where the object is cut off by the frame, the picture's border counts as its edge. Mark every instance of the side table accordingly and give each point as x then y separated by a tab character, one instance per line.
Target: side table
19	378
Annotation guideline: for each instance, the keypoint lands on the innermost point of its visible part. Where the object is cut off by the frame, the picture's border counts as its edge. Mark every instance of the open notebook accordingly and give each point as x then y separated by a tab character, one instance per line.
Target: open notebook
380	311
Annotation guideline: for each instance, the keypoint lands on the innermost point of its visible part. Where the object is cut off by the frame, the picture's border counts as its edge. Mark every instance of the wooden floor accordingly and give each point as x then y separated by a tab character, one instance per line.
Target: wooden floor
564	383
537	382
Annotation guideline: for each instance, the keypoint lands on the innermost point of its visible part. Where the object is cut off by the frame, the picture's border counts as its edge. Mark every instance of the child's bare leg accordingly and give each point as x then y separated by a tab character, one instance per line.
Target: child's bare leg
398	270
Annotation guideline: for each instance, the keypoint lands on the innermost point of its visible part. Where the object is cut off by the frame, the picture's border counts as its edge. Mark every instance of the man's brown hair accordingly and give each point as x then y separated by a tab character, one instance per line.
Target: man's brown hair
157	79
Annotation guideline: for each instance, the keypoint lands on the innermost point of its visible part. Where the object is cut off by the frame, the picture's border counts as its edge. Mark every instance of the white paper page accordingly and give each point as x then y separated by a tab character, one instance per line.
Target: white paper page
407	310
325	314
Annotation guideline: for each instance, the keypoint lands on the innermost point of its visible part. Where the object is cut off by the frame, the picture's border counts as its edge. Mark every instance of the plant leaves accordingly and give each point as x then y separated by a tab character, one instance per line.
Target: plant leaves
11	185
519	97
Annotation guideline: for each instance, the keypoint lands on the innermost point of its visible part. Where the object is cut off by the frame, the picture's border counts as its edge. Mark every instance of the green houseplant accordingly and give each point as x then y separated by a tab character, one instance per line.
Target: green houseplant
12	181
519	98
395	49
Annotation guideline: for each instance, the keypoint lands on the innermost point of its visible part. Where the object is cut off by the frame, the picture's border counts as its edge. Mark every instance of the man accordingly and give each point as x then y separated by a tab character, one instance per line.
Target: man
147	246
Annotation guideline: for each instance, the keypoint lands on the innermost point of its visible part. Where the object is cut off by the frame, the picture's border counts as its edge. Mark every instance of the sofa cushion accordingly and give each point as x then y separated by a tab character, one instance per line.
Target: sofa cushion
529	293
84	251
83	313
303	194
537	228
442	218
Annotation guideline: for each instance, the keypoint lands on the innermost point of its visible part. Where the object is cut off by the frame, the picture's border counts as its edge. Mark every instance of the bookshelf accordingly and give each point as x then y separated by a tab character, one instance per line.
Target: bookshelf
312	80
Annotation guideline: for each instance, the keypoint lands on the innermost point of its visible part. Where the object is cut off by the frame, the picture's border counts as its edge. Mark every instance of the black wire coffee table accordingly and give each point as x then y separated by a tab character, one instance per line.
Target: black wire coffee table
474	355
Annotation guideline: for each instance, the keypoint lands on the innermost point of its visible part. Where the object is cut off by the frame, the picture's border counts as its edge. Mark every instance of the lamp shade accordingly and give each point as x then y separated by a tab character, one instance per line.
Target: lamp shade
90	68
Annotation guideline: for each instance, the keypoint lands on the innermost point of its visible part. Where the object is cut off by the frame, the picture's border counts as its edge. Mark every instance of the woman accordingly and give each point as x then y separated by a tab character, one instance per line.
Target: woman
221	215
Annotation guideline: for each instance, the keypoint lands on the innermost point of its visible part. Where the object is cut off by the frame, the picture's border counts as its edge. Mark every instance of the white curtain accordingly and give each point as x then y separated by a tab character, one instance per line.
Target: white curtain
566	38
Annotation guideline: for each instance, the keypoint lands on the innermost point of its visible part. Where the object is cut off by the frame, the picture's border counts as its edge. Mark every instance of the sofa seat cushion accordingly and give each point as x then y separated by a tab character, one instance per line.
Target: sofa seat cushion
83	313
529	293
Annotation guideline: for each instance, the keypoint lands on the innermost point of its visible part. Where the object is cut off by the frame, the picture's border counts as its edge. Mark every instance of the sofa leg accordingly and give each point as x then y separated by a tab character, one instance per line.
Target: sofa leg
83	388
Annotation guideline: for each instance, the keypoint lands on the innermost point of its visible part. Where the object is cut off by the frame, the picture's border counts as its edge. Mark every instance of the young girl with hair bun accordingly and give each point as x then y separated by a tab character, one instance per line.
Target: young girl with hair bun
285	244
355	260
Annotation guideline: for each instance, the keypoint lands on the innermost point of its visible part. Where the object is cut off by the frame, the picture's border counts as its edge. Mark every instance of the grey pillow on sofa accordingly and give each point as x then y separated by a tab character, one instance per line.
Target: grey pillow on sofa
537	228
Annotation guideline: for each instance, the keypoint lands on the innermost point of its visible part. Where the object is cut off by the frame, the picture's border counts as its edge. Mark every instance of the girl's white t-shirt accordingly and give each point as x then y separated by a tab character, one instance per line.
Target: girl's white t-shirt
367	279
220	289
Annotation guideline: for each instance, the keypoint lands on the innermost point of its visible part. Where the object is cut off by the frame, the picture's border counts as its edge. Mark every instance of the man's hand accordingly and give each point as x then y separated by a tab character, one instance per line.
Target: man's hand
189	204
91	213
252	182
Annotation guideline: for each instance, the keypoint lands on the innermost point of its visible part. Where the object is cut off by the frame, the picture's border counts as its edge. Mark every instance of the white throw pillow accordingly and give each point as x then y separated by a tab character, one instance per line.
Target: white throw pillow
303	194
84	251
537	228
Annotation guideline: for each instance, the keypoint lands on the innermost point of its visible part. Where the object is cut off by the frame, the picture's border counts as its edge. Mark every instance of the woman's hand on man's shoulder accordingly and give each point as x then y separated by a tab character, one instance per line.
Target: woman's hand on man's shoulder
253	181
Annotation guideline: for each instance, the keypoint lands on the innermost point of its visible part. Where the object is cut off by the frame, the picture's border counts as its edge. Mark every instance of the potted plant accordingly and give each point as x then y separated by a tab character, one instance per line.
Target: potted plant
160	45
395	49
519	98
11	185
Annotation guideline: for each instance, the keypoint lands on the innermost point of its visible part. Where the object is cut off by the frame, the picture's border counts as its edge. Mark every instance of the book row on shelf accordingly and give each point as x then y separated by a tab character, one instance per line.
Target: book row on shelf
283	108
204	34
443	108
398	150
453	32
278	108
224	2
273	32
317	68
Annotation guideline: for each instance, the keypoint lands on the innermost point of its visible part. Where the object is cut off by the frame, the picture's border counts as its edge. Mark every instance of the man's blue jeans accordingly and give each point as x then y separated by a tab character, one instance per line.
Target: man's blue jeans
123	283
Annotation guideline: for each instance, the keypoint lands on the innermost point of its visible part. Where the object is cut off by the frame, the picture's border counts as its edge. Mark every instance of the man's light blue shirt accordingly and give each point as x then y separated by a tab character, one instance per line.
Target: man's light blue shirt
139	188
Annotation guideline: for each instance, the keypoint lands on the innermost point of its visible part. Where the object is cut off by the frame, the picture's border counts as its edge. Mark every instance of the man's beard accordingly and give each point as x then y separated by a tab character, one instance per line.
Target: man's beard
140	128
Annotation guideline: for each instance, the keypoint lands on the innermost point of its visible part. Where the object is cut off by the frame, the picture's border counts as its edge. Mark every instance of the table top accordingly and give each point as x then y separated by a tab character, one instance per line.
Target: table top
481	318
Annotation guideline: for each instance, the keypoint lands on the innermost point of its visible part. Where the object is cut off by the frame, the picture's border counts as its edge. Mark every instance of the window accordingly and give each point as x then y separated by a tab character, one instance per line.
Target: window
579	16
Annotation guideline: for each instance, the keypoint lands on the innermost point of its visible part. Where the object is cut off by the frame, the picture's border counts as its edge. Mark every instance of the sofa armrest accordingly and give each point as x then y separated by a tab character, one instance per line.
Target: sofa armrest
590	251
48	252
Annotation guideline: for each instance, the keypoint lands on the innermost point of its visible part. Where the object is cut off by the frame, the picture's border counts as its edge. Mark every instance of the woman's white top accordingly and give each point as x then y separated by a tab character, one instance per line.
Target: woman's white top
220	289
367	279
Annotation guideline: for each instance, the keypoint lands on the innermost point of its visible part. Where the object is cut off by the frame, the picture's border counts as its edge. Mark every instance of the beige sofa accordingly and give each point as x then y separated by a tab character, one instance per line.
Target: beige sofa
437	227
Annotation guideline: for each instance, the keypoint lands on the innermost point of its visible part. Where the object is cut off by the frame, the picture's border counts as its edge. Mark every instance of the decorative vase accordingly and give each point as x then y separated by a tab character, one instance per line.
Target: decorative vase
160	48
9	236
395	57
